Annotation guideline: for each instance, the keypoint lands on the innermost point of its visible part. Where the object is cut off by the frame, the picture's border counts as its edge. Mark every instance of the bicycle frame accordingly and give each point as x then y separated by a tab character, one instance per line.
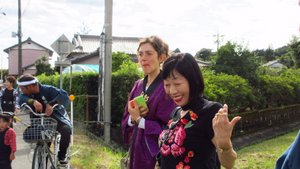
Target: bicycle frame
42	150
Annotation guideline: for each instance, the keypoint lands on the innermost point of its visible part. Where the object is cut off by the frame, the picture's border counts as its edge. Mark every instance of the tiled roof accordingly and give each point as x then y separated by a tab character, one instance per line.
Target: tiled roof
28	40
89	43
274	64
202	63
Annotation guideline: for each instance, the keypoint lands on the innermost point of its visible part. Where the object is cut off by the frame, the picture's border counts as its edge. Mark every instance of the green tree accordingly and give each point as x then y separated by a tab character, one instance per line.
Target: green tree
294	49
234	59
281	51
286	60
230	89
42	66
269	54
204	54
118	58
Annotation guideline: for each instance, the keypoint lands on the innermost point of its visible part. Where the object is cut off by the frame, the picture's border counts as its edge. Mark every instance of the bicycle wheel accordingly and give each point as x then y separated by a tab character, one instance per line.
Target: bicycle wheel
56	148
68	166
39	158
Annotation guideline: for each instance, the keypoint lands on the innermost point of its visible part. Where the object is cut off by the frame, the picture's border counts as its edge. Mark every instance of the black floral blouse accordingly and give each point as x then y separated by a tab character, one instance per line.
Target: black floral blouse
186	142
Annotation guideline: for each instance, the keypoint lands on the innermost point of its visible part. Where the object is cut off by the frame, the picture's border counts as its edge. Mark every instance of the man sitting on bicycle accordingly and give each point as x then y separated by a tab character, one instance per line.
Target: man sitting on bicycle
41	98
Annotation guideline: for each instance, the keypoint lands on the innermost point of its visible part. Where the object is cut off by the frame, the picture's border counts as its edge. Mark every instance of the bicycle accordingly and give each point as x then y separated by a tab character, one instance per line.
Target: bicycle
42	131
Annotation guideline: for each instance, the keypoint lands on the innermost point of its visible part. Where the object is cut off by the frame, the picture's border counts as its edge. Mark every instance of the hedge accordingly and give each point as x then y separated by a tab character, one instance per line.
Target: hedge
230	89
272	91
86	84
82	84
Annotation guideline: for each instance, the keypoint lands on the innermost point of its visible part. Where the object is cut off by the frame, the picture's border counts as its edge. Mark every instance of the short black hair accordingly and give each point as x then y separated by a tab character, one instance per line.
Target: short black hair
26	77
5	117
186	65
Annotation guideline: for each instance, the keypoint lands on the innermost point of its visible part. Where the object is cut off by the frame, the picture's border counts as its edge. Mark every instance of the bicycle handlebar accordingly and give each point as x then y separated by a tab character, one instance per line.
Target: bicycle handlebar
25	105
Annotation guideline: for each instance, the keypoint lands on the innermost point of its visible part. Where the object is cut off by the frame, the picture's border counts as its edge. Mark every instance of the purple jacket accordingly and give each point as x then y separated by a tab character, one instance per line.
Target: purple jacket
146	145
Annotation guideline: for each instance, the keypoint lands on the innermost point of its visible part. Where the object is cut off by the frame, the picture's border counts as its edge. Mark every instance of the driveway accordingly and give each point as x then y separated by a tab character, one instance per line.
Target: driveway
24	152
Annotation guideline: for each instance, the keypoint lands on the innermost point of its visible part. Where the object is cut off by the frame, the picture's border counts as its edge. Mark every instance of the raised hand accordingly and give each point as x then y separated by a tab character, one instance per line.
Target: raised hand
223	128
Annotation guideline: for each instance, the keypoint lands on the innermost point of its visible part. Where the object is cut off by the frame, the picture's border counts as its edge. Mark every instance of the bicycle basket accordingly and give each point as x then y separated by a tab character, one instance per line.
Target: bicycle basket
40	132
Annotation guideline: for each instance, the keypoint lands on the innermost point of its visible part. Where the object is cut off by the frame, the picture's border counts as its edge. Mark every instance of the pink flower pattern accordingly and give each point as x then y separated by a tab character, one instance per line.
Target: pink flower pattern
175	139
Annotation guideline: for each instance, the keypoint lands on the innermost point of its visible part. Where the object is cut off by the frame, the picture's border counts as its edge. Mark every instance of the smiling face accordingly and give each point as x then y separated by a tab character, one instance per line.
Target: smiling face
148	58
177	87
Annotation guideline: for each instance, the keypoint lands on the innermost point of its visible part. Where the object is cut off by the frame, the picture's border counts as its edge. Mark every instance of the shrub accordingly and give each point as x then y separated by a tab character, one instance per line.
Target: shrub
230	89
122	82
276	90
82	84
293	75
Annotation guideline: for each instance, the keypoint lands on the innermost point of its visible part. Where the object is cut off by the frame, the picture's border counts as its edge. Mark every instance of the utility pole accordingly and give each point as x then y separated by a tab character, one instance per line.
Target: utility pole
108	68
218	40
19	40
100	79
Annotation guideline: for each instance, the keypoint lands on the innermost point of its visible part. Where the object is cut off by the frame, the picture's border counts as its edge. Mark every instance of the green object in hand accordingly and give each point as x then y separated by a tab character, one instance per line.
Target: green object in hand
140	100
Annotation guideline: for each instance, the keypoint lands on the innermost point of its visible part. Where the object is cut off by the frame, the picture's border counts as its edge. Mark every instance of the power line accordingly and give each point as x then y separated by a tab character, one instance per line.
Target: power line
23	12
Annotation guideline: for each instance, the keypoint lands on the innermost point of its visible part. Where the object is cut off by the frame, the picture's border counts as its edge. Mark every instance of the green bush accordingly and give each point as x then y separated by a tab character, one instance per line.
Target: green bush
293	76
118	59
122	82
86	84
276	90
83	84
230	89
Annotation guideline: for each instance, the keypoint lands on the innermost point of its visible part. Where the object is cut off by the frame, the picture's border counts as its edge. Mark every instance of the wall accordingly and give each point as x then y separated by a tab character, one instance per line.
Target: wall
30	53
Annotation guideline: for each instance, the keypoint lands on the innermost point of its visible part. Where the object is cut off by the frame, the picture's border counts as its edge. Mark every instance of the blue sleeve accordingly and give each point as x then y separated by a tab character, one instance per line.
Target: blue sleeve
56	95
22	99
290	158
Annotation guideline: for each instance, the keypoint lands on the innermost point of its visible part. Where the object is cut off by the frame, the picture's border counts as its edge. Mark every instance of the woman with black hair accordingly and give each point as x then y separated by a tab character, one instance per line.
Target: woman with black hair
199	128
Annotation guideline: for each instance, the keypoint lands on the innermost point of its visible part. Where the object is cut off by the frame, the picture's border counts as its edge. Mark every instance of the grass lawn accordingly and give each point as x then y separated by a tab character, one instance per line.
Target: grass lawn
91	154
264	155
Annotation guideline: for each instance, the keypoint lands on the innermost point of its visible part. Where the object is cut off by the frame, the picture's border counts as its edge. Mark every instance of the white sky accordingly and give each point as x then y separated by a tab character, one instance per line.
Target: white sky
188	25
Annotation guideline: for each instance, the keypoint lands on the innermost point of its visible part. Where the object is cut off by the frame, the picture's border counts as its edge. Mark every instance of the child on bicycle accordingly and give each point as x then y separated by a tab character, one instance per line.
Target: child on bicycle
7	142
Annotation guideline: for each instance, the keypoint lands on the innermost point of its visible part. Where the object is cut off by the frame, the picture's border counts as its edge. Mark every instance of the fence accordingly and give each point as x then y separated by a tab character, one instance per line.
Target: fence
257	120
86	108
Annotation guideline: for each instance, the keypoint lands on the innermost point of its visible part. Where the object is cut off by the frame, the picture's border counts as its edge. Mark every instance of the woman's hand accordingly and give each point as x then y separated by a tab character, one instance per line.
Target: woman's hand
133	110
223	128
143	111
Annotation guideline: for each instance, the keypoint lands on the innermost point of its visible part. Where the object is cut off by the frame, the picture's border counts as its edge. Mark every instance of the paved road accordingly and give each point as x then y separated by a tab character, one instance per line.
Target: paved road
23	149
